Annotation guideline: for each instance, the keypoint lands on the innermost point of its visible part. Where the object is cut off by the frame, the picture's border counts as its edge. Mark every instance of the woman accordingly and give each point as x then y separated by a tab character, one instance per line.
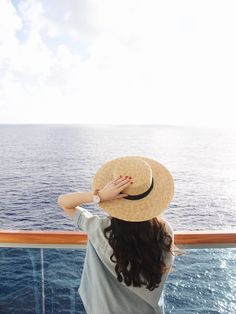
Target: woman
130	251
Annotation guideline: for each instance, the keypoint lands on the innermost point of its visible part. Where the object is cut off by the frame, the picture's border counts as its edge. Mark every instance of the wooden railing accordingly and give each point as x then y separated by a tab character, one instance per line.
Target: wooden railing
38	238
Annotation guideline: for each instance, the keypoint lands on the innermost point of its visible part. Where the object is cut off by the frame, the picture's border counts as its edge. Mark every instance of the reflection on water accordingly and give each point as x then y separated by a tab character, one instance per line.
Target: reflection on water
204	281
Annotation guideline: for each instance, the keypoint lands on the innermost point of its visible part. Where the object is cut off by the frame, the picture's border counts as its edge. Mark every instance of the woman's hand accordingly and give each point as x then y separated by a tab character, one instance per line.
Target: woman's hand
112	190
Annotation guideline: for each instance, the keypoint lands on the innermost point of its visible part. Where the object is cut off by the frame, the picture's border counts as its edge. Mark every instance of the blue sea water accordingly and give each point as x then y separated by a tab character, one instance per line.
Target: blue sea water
40	162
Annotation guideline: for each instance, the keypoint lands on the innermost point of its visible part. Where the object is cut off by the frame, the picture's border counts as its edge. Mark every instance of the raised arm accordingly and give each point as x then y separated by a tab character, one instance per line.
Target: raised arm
109	192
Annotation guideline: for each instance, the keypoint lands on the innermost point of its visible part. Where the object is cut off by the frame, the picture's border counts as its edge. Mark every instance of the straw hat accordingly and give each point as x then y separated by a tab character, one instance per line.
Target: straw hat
149	195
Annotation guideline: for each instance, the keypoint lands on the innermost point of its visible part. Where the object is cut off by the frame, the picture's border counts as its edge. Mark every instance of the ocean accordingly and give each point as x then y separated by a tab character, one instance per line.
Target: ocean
40	162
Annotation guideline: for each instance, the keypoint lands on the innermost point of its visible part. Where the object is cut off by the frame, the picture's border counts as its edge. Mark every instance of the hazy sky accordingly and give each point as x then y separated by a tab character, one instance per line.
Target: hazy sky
126	61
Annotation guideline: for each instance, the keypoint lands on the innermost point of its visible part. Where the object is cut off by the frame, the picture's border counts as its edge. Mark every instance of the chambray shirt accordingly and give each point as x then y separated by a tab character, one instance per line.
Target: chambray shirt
99	288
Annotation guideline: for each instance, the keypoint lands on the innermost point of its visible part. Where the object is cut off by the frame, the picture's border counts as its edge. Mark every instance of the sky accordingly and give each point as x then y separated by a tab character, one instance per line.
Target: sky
118	62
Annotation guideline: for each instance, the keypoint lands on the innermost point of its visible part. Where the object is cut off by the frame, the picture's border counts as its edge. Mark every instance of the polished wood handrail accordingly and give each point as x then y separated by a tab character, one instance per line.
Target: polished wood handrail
80	237
43	237
205	237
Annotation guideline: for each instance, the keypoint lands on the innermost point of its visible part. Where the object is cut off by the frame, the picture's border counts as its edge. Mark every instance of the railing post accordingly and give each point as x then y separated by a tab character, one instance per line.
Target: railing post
42	279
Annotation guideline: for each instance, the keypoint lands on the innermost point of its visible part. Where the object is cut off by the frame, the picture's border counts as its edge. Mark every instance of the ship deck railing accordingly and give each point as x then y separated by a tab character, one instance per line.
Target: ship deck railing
47	292
78	239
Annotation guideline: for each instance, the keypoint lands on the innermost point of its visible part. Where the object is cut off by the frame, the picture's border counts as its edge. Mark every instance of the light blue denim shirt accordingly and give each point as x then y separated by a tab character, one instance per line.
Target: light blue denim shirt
99	288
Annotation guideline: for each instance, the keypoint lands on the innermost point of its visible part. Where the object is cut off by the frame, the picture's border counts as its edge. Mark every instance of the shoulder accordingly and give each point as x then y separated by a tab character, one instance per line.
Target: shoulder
89	222
167	225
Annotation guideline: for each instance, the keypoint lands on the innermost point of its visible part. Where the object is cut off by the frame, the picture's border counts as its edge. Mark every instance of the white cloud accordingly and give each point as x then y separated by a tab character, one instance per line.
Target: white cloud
10	23
118	62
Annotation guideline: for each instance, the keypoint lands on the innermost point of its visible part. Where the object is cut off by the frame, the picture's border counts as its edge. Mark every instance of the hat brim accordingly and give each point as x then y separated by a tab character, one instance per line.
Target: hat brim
143	209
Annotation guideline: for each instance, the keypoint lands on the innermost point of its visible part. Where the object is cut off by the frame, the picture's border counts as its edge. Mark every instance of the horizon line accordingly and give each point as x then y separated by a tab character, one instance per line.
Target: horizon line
119	124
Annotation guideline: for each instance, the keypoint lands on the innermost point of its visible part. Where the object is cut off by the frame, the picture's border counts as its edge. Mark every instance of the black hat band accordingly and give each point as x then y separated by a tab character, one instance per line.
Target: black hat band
140	196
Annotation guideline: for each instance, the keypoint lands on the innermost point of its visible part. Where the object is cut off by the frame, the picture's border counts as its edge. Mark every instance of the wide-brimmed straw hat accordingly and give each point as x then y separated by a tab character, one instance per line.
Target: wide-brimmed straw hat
148	196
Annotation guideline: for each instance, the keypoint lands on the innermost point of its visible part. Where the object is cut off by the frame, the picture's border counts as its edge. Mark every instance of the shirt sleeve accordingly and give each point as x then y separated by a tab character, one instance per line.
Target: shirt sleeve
86	221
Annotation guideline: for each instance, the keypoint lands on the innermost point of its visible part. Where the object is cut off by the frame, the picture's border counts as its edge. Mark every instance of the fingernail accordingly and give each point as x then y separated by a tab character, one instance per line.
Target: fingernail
131	182
130	177
126	176
120	175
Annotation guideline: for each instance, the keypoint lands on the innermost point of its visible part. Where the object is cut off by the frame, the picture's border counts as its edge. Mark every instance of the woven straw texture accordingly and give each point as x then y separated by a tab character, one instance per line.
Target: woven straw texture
142	170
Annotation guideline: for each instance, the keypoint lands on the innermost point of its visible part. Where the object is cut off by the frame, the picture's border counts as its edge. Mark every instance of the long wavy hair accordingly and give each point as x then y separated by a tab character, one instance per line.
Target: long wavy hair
139	248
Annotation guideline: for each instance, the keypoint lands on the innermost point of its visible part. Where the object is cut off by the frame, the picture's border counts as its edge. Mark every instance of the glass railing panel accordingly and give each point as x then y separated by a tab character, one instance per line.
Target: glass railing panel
46	280
20	281
62	273
203	281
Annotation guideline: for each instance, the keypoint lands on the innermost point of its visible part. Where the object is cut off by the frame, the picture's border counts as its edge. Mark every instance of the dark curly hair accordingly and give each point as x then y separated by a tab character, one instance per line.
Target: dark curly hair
142	245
